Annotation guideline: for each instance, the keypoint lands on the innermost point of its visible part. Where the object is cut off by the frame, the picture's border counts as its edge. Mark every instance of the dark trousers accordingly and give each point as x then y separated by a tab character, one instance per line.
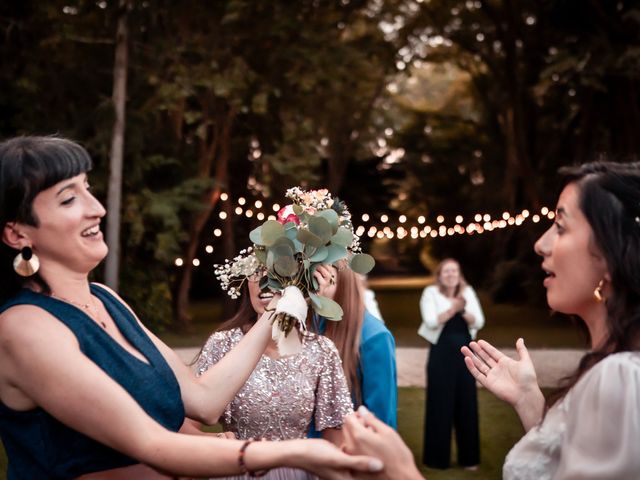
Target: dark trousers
452	402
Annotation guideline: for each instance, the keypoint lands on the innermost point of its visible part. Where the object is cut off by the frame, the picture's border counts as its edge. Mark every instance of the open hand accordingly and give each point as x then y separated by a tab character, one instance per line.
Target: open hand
508	379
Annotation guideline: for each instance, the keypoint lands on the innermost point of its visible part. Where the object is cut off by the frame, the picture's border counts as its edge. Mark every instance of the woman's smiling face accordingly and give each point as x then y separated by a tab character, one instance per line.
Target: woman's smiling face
68	232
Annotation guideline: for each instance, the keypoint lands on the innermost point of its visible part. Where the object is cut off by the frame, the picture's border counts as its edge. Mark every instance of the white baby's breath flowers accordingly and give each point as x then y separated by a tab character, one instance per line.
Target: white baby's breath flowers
233	273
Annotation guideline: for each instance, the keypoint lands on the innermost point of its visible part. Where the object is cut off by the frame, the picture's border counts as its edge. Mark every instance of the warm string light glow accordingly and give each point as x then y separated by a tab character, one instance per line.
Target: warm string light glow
381	227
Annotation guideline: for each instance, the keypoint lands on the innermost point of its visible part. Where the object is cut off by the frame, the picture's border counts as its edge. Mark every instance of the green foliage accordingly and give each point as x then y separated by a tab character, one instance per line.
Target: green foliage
319	239
315	86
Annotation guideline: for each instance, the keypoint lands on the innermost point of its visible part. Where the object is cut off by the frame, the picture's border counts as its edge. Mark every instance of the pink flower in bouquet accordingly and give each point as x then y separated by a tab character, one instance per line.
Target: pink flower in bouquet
286	214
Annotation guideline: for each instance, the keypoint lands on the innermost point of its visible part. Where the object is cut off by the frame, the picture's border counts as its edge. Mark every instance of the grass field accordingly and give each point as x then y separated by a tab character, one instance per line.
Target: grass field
500	429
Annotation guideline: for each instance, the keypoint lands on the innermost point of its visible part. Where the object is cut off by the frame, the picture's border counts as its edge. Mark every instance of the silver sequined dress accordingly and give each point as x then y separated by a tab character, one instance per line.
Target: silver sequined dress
281	395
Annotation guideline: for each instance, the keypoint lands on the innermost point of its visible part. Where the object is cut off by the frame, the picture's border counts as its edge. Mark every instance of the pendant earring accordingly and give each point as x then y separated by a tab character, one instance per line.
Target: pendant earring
597	293
26	262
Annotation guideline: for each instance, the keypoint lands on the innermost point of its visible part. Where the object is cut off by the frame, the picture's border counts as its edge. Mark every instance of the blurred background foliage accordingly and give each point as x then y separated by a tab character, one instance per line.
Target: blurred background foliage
432	107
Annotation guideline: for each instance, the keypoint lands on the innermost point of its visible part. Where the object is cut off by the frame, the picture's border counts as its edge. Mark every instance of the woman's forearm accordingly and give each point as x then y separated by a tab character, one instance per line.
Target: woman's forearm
220	383
198	456
206	456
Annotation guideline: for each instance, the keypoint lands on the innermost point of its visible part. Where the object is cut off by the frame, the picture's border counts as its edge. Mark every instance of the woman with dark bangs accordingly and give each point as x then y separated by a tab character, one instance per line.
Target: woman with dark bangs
86	391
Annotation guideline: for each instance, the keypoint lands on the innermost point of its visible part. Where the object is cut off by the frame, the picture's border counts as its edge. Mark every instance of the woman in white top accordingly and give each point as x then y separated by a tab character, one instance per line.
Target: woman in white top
590	429
451	316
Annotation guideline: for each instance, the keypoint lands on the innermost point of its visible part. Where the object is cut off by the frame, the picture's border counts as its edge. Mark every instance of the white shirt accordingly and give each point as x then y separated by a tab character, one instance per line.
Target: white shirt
433	303
592	433
371	304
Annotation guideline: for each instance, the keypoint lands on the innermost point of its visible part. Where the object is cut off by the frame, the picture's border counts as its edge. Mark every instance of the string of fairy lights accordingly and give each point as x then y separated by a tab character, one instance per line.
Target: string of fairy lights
379	227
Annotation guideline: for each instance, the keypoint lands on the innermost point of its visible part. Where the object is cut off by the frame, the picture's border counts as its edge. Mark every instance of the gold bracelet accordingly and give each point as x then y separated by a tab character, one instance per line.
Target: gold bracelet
243	466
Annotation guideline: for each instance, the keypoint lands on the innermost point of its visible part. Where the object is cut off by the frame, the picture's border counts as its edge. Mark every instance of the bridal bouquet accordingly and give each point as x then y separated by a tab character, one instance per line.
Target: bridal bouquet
315	229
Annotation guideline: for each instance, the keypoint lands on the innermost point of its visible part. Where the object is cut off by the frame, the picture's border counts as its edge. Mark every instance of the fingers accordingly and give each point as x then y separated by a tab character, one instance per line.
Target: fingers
480	360
493	352
477	374
363	463
371	421
325	273
478	364
484	355
523	353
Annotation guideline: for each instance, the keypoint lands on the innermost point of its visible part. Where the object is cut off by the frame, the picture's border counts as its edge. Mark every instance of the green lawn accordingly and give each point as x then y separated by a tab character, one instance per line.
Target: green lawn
500	429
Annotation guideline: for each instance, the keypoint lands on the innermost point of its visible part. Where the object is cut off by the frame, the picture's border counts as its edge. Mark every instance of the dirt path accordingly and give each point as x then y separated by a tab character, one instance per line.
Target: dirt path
551	365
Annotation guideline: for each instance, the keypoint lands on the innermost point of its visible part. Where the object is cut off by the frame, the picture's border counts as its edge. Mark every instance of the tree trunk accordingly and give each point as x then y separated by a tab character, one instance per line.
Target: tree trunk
114	196
339	157
216	151
519	174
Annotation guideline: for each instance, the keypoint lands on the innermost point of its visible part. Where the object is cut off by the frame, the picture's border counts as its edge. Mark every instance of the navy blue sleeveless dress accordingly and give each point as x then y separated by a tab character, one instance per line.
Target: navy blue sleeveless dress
40	447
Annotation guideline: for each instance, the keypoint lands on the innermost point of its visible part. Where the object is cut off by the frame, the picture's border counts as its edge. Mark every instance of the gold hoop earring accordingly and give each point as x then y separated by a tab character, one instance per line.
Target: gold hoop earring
26	262
597	293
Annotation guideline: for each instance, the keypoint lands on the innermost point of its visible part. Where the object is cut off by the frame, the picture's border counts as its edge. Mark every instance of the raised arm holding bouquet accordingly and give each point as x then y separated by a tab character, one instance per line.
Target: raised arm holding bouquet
314	230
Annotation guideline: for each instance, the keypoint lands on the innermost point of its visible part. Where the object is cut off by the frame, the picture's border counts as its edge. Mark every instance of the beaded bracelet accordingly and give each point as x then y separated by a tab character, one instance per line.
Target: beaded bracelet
243	465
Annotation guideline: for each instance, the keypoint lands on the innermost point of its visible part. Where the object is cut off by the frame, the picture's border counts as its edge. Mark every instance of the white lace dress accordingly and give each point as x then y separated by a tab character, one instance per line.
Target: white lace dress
593	433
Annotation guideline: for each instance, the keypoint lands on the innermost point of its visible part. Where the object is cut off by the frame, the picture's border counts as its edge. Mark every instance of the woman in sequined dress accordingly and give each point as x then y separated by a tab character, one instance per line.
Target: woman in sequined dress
283	393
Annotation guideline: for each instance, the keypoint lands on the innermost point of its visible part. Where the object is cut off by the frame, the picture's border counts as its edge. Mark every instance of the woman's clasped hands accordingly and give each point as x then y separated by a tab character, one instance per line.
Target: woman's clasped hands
364	434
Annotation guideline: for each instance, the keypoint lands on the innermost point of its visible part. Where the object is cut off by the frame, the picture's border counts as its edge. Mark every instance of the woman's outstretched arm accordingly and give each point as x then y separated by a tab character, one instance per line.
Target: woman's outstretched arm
41	365
206	397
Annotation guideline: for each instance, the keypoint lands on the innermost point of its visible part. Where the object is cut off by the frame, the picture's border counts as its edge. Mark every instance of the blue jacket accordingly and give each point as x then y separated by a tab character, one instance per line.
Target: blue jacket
377	370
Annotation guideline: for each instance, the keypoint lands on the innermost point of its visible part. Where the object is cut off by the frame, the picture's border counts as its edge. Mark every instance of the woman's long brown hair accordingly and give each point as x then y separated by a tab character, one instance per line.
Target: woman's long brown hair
345	334
609	198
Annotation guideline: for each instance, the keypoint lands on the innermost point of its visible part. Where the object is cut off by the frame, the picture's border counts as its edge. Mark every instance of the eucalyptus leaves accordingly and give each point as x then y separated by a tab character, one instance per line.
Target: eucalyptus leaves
292	252
314	230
